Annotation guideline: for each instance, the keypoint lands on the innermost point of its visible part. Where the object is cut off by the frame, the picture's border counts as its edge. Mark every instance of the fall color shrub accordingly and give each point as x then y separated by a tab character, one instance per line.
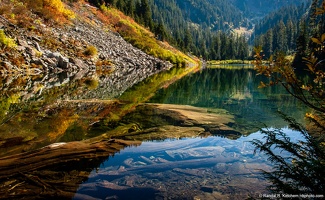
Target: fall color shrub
92	83
19	11
104	67
56	8
6	42
50	9
301	169
142	38
91	51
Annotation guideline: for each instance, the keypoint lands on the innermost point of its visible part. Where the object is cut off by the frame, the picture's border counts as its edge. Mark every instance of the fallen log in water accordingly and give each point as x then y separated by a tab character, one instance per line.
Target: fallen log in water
45	173
59	153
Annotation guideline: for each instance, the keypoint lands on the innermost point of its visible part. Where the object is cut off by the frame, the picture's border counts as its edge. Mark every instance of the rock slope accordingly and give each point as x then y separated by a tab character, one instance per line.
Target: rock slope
49	50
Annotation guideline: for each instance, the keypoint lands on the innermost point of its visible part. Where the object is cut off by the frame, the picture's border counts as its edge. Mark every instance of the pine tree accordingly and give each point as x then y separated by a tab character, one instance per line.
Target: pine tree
291	32
223	46
302	39
312	19
231	48
160	32
130	8
188	40
269	43
147	14
242	48
120	4
281	37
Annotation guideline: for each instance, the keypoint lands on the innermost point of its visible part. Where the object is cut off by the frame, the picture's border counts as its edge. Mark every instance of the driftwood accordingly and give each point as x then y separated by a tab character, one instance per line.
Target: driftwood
46	172
58	153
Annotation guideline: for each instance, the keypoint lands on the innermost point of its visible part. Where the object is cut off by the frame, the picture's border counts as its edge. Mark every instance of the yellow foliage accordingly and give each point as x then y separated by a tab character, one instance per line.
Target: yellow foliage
50	9
143	39
58	6
5	41
92	83
91	51
60	124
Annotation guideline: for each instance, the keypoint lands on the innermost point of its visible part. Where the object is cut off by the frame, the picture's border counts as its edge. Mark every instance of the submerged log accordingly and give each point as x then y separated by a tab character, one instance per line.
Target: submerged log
55	171
59	153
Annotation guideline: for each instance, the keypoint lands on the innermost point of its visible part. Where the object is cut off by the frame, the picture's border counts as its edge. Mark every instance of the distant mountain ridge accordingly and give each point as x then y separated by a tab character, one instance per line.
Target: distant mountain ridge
218	14
194	26
215	14
260	8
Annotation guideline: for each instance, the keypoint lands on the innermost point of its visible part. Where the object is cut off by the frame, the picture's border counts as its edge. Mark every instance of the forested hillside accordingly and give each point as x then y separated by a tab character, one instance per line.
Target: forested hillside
256	9
287	30
219	29
192	26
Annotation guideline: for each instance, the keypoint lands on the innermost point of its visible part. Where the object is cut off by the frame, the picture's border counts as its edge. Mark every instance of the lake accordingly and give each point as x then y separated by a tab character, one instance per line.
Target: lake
190	133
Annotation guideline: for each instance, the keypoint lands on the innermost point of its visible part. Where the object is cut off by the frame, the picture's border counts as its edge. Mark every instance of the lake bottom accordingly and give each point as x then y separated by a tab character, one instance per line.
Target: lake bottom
191	168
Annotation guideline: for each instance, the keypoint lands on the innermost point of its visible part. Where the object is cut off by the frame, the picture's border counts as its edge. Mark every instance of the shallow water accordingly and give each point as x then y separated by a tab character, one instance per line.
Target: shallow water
212	167
191	168
196	147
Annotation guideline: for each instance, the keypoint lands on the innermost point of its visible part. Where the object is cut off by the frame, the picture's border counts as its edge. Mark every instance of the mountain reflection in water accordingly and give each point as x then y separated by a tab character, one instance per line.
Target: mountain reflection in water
180	103
196	168
235	89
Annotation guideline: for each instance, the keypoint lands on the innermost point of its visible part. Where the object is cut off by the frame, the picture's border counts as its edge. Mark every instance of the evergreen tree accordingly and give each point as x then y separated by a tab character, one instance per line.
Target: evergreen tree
130	8
120	4
291	33
231	48
188	40
312	19
282	37
160	32
269	43
203	49
302	39
223	46
242	48
216	47
146	14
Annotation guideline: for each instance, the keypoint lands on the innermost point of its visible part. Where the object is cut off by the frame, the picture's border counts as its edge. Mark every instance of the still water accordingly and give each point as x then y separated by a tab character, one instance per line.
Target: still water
210	167
193	130
191	168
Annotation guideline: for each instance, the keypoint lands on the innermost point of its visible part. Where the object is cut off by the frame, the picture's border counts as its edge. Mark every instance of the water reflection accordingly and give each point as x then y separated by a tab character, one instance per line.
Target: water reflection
38	111
234	89
196	168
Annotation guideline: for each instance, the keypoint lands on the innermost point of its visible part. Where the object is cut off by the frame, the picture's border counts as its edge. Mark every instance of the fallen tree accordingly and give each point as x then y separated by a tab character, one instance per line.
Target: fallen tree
51	171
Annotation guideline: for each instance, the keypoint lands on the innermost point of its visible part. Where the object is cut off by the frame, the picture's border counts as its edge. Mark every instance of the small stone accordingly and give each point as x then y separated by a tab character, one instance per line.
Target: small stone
37	46
63	62
55	55
22	42
30	51
36	38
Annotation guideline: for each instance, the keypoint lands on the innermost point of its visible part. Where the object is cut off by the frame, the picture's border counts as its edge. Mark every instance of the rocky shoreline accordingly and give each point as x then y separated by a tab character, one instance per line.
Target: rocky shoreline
60	49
